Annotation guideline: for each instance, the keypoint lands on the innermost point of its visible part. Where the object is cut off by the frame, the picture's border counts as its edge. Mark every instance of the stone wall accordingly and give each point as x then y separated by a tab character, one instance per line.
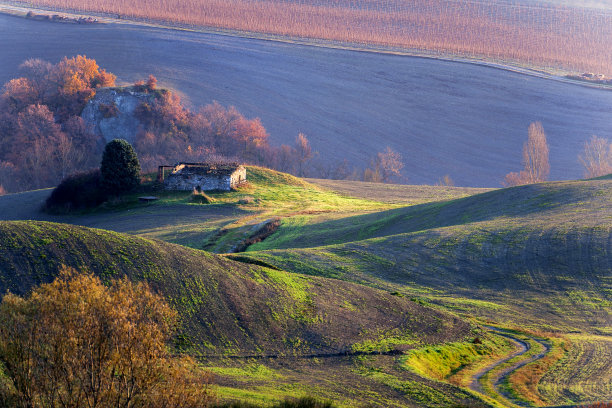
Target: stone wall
188	182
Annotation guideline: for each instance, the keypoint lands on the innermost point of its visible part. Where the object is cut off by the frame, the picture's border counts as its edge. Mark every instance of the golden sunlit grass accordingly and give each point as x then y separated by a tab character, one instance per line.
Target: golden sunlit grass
546	36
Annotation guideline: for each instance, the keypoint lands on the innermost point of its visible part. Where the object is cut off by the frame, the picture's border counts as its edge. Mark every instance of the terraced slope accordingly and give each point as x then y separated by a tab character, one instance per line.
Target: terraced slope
227	308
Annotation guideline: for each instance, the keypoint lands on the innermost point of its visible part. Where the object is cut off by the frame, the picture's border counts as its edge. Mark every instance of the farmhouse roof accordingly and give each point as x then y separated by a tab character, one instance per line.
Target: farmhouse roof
213	169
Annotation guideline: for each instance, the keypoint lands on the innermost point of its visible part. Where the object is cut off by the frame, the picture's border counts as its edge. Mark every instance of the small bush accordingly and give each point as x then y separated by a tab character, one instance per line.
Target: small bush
78	191
201	197
267	229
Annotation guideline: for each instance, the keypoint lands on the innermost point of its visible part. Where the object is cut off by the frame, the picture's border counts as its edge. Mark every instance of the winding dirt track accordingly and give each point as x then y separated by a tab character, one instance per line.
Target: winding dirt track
500	377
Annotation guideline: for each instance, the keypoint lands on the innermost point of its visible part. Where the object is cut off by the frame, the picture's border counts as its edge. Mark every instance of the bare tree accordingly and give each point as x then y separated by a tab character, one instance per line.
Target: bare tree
445	181
535	159
535	154
596	157
388	165
304	152
68	156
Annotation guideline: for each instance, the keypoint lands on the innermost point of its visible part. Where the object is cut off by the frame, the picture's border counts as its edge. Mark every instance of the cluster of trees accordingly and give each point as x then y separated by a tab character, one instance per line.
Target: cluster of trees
43	138
78	343
596	158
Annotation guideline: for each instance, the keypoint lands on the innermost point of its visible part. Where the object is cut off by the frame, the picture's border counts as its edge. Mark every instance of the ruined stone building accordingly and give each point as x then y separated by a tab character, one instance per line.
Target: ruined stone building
202	176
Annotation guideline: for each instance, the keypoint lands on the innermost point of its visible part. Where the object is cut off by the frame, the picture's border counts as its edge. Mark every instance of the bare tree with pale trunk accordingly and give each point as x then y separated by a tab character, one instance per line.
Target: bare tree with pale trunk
597	157
535	159
304	152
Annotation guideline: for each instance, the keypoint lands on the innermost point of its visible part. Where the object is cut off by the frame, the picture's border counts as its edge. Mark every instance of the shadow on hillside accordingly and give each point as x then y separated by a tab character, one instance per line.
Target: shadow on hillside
522	201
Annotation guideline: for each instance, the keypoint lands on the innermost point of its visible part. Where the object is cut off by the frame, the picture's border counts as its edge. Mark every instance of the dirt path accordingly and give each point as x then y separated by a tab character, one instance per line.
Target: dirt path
500	377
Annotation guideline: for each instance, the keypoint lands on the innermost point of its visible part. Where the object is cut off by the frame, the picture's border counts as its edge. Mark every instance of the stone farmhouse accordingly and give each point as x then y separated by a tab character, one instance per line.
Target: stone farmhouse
202	176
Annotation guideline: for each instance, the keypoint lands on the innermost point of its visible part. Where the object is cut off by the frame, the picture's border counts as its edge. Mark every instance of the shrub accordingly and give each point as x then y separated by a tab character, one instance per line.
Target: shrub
268	228
78	191
246	200
120	169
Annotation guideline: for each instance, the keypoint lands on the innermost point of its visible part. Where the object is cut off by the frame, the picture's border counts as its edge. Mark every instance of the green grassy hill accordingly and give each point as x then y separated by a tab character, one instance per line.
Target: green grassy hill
543	249
227	307
175	218
265	333
580	203
534	257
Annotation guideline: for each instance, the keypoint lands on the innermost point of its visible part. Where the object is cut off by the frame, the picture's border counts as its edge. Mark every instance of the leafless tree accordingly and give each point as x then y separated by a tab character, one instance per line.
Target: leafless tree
535	159
446	181
535	154
389	164
303	151
596	157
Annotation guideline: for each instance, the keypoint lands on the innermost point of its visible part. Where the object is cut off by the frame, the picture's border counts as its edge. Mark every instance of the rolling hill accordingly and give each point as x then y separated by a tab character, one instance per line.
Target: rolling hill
228	308
533	258
545	248
236	315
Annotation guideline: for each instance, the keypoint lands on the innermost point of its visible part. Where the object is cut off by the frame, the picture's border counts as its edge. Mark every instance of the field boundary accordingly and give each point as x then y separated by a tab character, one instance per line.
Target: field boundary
19	9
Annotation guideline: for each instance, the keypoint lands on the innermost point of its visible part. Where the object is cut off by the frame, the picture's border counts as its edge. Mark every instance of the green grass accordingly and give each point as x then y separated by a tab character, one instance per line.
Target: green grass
549	203
517	262
176	218
536	257
455	361
226	307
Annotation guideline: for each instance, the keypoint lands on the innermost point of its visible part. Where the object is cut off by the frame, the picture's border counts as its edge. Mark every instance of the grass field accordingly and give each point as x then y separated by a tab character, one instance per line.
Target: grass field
535	34
531	258
175	218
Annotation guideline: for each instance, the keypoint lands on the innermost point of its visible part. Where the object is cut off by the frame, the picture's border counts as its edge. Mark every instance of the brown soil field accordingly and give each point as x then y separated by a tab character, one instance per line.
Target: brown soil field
533	33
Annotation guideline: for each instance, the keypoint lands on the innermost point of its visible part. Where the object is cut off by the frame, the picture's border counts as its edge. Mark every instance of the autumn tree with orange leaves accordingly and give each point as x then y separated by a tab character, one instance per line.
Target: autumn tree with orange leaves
78	343
41	133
